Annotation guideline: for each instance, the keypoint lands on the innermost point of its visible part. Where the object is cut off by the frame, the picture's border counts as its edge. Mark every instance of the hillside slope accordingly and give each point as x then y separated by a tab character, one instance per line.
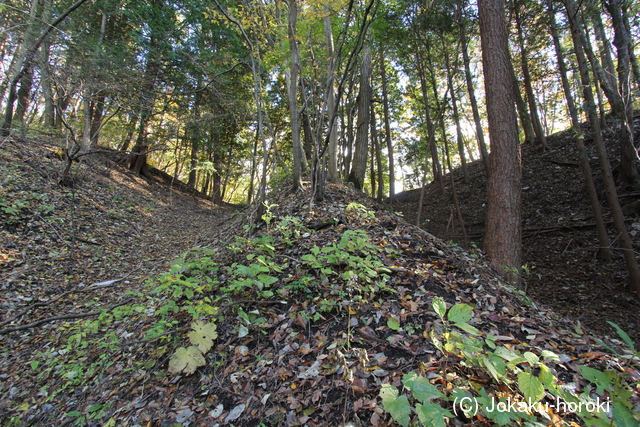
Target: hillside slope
559	236
338	313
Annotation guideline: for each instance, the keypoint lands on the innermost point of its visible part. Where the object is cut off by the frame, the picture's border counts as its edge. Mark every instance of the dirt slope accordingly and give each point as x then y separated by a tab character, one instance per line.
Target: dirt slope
321	316
559	240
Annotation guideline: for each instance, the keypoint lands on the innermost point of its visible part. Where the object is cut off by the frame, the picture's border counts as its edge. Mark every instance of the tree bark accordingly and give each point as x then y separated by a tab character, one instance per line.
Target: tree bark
332	161
387	126
358	171
292	92
503	225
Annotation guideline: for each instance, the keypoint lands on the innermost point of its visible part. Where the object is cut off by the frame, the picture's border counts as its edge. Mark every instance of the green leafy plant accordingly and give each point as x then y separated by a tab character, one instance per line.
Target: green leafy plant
527	376
187	360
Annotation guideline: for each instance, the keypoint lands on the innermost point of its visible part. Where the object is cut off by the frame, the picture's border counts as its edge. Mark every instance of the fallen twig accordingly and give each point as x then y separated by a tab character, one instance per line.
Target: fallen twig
62	317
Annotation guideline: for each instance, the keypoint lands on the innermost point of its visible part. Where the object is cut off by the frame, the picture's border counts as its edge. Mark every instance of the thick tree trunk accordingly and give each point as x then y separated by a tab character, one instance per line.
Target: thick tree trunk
358	171
604	250
26	83
503	235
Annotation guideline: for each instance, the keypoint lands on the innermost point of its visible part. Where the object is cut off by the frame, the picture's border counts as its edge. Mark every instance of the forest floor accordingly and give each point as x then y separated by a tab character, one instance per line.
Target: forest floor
308	319
560	242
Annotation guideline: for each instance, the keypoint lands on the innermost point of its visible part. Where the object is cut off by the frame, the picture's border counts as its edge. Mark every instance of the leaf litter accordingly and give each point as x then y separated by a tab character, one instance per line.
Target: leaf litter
331	350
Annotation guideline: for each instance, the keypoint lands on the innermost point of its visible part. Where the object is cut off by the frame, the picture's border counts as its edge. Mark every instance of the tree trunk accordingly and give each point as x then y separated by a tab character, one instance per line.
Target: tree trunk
47	91
96	119
27	63
357	174
452	182
622	42
431	132
456	119
378	155
387	125
484	152
26	83
292	91
604	250
612	197
523	111
332	163
503	231
528	87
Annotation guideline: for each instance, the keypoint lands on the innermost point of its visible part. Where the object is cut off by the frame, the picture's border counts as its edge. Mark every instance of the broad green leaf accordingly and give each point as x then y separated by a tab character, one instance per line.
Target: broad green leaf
203	335
501	417
393	323
439	306
532	358
431	414
531	387
490	367
421	388
186	360
397	406
267	280
468	328
506	354
599	378
460	313
622	416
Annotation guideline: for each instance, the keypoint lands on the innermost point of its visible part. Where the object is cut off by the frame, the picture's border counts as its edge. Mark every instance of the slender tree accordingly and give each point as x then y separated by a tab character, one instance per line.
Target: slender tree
610	188
357	174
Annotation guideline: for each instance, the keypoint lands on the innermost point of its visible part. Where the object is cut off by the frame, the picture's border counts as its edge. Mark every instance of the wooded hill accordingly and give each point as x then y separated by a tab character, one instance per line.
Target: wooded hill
235	97
340	313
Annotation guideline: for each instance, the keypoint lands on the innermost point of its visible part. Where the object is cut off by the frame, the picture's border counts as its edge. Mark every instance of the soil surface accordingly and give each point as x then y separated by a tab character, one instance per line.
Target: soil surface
560	243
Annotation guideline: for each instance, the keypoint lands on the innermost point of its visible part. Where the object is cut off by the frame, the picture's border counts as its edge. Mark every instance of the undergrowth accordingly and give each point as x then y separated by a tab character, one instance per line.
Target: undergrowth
201	290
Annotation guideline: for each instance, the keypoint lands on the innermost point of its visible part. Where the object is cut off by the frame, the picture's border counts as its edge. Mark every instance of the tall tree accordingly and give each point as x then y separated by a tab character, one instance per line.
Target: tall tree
610	188
358	171
503	229
292	88
27	63
484	152
604	251
526	75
